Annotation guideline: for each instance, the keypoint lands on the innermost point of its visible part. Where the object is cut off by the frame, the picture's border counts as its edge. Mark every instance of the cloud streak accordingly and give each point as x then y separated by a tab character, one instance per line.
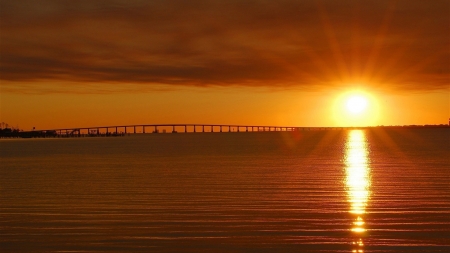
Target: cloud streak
92	45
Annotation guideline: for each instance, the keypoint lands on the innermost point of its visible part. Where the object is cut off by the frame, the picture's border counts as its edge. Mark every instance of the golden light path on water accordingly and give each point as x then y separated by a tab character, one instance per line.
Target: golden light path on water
357	183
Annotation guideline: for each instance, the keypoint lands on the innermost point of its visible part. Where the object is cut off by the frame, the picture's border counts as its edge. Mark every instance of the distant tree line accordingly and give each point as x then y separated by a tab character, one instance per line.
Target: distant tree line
6	131
414	126
9	132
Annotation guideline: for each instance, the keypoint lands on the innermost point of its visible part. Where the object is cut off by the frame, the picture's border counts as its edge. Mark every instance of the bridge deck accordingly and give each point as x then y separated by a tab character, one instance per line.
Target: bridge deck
174	128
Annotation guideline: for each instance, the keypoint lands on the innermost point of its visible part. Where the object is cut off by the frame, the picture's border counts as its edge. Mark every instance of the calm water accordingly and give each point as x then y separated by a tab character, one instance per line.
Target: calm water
324	191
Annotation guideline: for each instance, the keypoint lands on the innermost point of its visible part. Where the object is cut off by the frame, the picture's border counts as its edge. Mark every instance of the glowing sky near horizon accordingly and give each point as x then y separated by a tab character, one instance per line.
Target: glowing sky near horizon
81	63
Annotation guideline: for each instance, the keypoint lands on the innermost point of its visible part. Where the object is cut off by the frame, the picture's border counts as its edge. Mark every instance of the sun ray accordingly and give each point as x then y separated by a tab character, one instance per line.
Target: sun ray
375	53
334	44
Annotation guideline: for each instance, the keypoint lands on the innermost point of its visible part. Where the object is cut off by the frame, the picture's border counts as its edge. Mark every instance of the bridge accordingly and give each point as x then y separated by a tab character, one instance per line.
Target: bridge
173	128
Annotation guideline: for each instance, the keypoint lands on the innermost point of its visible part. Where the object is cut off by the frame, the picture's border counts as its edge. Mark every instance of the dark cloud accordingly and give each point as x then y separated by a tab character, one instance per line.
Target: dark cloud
288	44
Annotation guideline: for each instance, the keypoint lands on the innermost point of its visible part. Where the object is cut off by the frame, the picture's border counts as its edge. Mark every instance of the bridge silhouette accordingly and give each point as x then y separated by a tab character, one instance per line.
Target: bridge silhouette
173	128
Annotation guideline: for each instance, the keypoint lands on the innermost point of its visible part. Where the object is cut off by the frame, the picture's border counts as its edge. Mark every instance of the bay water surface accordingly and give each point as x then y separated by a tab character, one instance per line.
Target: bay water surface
366	190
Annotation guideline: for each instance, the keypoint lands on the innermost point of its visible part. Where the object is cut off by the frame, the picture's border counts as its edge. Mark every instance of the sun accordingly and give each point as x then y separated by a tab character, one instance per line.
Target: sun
356	108
356	104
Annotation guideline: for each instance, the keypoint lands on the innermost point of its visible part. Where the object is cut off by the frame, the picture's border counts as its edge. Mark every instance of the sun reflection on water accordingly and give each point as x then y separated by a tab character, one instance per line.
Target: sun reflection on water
357	183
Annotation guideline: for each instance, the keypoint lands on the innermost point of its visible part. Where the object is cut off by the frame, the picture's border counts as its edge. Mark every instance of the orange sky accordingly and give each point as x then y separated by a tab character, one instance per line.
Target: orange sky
94	63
